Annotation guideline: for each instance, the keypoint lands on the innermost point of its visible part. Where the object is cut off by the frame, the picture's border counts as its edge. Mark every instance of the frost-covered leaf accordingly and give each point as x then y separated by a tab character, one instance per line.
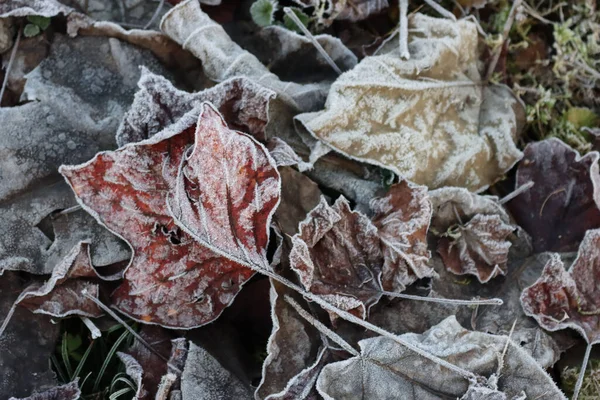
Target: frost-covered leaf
385	367
402	218
263	12
482	392
478	248
173	280
564	201
284	155
427	119
26	8
94	92
25	345
204	378
158	104
337	255
294	352
561	299
70	391
223	59
352	10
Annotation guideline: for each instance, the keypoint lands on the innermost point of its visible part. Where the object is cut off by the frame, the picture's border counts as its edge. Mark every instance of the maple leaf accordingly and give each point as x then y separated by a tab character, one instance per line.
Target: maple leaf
564	202
228	178
473	232
561	299
427	119
384	367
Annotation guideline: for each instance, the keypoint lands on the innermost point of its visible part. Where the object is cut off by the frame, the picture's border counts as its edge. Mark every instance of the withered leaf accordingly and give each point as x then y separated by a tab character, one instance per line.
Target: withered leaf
427	119
561	299
478	248
402	218
385	367
172	280
564	202
158	104
352	10
70	391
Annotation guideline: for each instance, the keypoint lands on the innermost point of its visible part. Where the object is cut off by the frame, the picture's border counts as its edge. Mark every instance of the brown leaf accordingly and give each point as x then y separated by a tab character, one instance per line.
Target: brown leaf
402	218
563	203
172	279
385	367
158	104
561	299
478	248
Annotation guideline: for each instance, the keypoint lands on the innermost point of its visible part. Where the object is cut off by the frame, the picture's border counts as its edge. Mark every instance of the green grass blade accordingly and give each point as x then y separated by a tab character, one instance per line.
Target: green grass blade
110	355
61	374
65	355
82	361
119	393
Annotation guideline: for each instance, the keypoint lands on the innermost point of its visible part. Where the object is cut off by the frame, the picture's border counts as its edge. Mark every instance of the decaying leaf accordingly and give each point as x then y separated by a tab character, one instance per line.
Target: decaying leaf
173	280
25	345
70	391
24	8
384	367
205	379
284	155
158	104
564	202
222	58
561	299
402	218
428	119
294	351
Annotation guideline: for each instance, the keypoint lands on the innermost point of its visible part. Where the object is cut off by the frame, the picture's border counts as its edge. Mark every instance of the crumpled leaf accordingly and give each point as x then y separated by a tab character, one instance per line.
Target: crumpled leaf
25	345
173	280
94	92
204	378
158	104
24	8
402	218
561	299
427	119
385	367
70	391
356	10
480	392
223	59
564	201
284	155
155	378
294	351
473	232
61	295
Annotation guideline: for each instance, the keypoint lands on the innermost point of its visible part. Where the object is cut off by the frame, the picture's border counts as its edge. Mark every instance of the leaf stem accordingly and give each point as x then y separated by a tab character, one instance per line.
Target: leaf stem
521	189
472	302
13	54
403	33
584	364
440	10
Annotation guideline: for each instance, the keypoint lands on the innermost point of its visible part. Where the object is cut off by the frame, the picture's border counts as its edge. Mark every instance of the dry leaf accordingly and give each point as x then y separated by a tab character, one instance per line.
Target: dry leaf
563	203
172	280
158	104
429	119
402	218
561	299
70	391
385	367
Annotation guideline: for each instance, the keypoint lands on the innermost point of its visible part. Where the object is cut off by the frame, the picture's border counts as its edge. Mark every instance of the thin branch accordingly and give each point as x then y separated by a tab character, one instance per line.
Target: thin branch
502	357
440	10
521	189
579	383
505	32
13	54
155	15
321	327
94	331
288	11
403	30
472	302
8	316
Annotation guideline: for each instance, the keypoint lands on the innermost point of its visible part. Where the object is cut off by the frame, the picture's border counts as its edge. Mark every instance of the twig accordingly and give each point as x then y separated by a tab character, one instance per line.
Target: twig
13	54
9	316
403	30
441	10
69	210
155	15
288	11
321	327
502	357
95	332
505	32
521	189
473	302
579	383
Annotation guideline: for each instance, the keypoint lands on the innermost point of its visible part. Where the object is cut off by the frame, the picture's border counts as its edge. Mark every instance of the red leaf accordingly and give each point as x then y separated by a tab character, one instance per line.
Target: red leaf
173	280
561	299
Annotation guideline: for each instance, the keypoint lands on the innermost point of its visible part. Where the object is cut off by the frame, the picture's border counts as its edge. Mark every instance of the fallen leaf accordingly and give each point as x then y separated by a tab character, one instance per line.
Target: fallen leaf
172	280
70	391
284	155
402	218
25	345
385	367
563	203
205	379
428	119
561	299
158	104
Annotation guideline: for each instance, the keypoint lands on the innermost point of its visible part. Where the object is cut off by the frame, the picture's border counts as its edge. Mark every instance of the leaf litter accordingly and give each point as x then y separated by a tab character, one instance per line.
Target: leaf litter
162	159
